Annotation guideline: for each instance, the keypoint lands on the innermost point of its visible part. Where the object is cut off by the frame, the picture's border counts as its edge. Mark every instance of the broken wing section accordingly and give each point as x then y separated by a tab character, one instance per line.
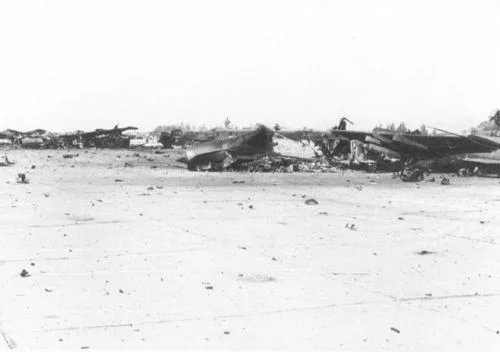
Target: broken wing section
220	154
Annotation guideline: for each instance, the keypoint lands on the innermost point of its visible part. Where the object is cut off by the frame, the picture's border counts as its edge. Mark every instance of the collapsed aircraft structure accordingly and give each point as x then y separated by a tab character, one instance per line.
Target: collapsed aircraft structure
413	151
39	138
100	138
411	154
31	139
261	149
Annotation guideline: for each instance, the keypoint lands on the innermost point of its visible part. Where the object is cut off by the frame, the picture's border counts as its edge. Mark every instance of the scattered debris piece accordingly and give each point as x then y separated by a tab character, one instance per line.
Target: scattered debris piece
21	178
24	273
118	180
311	202
6	161
445	181
70	156
351	227
255	278
425	252
395	330
413	175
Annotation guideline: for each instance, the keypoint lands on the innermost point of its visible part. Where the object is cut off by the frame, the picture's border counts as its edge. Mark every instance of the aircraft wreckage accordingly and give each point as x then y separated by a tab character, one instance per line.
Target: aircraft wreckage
410	153
39	138
416	153
263	145
100	138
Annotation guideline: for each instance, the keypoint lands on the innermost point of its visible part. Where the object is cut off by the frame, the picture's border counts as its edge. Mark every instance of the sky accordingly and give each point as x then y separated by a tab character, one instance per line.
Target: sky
85	64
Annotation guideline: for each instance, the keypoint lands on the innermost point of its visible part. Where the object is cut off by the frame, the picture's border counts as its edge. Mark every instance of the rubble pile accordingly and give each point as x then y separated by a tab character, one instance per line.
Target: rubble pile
282	164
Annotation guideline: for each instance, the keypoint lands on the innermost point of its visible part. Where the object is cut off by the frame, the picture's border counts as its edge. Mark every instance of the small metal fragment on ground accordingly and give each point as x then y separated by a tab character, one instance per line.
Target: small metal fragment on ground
311	202
24	273
395	330
21	178
351	227
118	180
424	252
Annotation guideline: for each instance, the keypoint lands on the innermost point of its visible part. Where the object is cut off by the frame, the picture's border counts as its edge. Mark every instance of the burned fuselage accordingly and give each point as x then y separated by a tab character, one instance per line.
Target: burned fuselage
219	154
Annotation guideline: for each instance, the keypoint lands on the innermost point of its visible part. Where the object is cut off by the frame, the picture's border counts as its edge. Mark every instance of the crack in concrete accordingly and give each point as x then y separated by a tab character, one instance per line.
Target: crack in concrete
216	317
431	298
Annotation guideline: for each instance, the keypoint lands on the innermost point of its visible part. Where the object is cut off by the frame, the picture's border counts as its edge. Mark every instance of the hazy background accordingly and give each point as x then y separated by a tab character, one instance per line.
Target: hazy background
67	65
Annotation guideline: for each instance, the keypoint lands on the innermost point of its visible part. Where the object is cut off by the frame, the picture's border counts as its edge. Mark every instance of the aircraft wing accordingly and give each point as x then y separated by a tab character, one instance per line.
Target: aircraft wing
254	142
483	161
421	146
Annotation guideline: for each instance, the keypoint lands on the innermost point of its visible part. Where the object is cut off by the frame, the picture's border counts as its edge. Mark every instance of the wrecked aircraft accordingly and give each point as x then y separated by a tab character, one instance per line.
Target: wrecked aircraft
32	139
414	150
220	154
263	146
100	138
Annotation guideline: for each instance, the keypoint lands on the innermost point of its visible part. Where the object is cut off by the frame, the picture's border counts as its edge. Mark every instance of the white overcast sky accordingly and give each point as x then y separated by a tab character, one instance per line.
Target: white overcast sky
69	64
